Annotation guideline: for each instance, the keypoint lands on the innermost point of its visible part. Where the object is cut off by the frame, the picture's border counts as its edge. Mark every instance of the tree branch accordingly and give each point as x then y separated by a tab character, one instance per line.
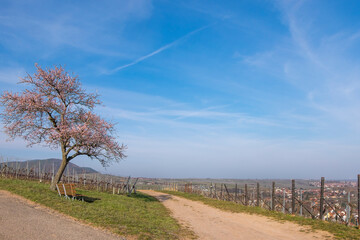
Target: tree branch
53	121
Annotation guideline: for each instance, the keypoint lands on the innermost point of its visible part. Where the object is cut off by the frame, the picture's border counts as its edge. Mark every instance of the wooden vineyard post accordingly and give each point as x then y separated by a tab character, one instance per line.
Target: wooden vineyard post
221	192
301	206
27	169
257	194
53	171
284	201
293	196
273	197
236	193
322	197
7	168
215	194
253	197
348	209
39	171
16	171
358	221
227	191
246	195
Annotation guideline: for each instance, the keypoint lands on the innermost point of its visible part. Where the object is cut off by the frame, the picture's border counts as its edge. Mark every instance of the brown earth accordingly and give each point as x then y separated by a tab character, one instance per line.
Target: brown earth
211	223
22	219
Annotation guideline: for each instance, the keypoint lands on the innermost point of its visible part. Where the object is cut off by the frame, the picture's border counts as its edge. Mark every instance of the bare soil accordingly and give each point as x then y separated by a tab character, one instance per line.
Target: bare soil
211	223
22	219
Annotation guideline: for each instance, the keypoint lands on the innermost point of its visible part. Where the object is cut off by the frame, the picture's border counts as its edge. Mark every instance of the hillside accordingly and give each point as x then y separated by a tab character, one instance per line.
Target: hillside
47	165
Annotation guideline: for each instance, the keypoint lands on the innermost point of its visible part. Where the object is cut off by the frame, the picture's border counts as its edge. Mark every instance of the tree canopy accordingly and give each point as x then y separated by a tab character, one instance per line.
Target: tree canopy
56	111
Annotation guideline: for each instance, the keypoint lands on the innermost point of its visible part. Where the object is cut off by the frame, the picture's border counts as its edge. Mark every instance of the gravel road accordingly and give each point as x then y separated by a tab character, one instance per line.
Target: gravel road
211	223
21	219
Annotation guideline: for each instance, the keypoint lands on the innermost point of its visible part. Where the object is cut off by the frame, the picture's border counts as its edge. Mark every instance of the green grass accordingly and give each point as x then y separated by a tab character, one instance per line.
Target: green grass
338	230
140	215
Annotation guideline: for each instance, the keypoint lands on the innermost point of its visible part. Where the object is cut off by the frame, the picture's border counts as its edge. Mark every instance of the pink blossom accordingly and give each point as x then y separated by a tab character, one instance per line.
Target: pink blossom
57	112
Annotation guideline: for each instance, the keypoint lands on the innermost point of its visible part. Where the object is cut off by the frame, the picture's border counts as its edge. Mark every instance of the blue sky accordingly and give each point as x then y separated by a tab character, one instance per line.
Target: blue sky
229	89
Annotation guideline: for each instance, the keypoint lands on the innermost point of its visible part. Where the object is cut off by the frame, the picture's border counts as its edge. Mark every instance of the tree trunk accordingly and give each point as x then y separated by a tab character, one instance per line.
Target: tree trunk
59	174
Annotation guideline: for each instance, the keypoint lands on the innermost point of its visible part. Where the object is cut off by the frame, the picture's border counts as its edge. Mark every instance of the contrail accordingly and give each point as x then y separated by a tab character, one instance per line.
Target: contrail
158	50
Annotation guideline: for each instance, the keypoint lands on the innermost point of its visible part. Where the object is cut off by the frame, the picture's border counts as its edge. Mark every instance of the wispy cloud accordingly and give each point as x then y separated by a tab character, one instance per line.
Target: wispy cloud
167	46
320	65
218	121
32	28
11	75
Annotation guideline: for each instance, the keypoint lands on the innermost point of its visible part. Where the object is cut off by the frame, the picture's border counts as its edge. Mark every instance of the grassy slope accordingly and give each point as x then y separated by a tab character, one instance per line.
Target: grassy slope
338	230
139	215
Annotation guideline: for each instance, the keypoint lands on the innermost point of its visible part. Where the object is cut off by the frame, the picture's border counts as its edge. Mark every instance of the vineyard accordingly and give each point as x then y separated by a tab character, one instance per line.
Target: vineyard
98	182
335	201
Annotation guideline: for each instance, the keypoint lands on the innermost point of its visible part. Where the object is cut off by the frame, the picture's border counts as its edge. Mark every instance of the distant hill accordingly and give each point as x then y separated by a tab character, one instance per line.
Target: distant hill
47	165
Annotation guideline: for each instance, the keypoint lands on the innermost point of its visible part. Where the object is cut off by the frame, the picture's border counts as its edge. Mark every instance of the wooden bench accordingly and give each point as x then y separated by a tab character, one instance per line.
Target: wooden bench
68	190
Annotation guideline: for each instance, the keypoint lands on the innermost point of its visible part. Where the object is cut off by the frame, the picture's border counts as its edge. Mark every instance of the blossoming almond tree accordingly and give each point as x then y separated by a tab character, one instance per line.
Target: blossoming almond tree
56	111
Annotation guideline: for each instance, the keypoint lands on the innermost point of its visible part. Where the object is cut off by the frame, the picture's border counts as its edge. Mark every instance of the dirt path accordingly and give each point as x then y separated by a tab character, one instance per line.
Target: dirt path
22	219
211	223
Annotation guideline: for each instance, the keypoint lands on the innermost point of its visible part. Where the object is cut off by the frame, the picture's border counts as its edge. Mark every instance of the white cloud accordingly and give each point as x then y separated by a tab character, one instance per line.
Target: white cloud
11	75
321	65
153	113
25	28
